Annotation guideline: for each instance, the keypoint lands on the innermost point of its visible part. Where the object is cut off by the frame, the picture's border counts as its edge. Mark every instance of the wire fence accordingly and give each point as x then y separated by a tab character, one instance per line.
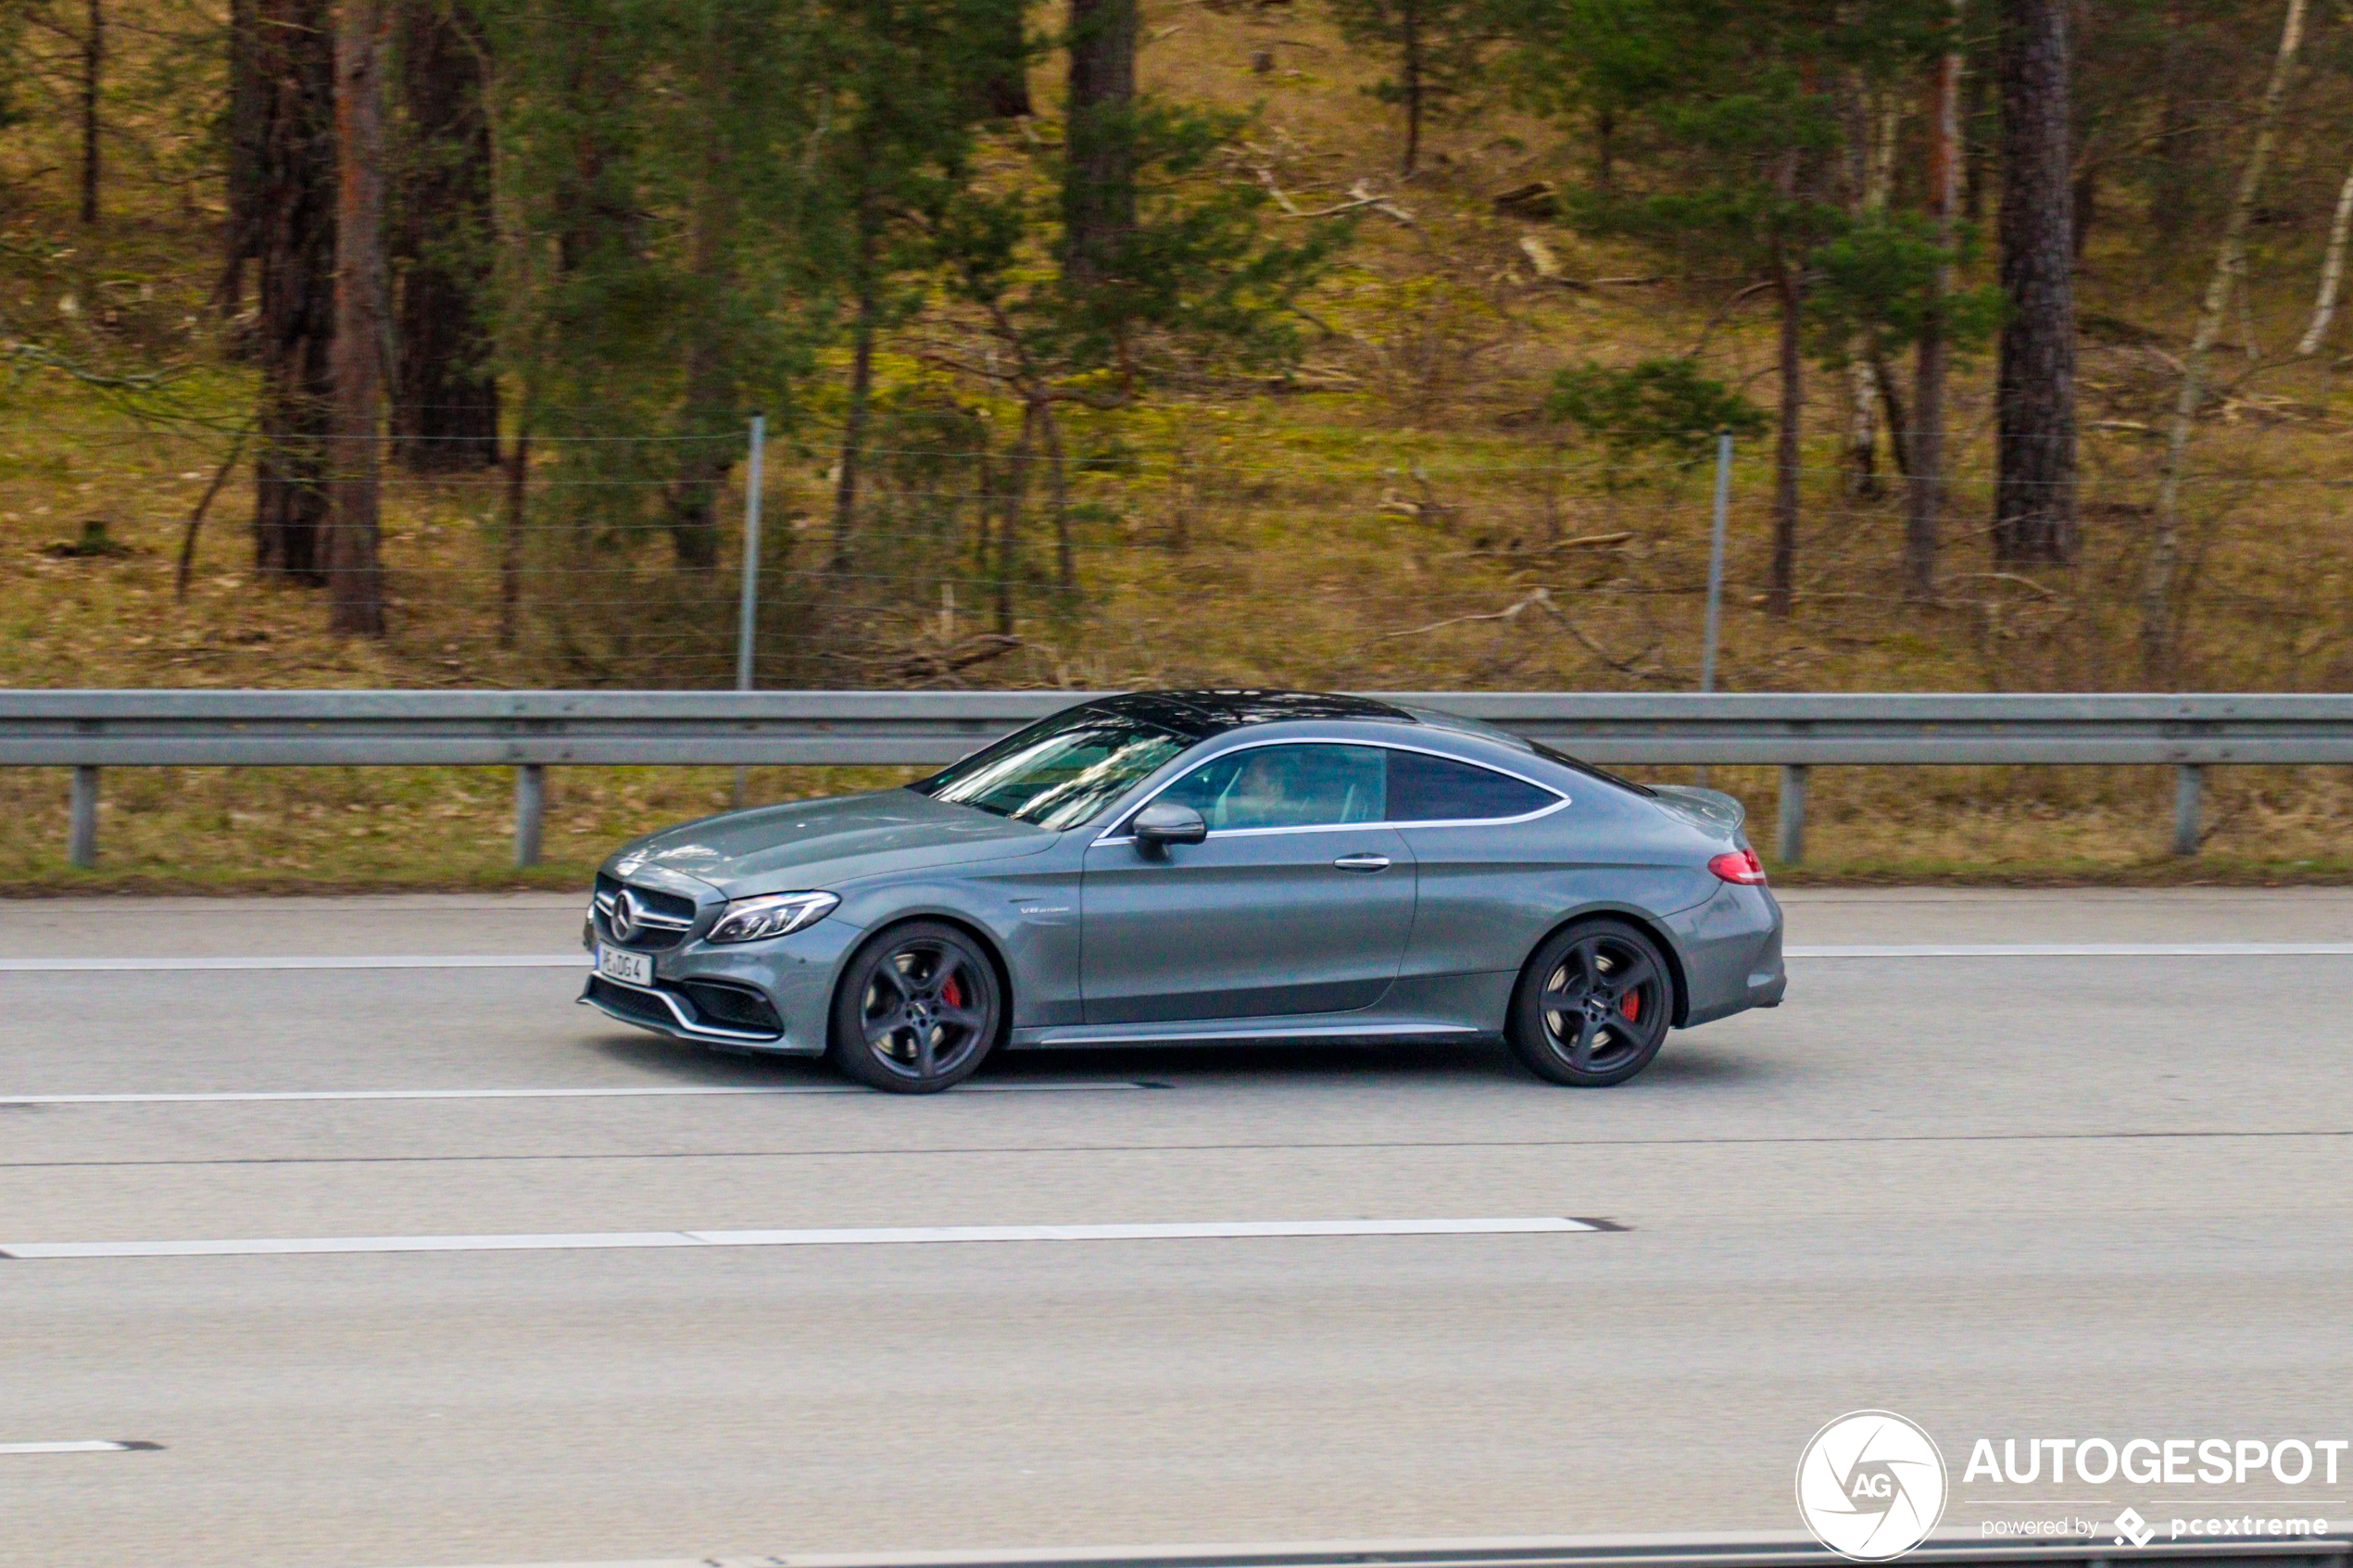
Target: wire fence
614	559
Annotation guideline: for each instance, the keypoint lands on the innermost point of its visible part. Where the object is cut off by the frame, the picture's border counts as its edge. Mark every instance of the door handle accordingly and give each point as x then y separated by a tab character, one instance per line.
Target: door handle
1362	862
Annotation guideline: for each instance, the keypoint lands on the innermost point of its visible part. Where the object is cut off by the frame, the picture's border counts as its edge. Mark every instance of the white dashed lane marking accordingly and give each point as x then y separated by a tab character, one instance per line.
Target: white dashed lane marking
1215	1230
596	1092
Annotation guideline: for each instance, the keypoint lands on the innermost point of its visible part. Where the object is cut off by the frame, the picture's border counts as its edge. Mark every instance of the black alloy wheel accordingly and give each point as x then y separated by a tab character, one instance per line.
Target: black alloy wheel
917	1010
1593	1005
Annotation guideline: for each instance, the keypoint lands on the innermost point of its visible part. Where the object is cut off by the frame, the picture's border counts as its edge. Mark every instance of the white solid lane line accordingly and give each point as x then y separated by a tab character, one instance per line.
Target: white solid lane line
882	1237
2074	951
1795	950
348	961
77	1446
616	1092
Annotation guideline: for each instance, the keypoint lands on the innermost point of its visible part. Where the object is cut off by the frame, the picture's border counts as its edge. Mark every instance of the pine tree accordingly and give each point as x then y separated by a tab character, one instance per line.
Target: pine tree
2034	417
1434	47
292	242
1741	106
1098	167
446	411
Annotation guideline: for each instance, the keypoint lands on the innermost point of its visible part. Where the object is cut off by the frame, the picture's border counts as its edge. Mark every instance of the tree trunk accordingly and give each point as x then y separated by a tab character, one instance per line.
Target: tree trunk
1058	481
294	241
2171	193
2160	653
446	417
355	600
861	382
1899	429
692	497
1872	127
1977	142
1923	495
511	537
2086	198
1013	503
1098	176
1004	88
2034	417
2332	271
1781	588
94	55
244	133
1409	16
1606	149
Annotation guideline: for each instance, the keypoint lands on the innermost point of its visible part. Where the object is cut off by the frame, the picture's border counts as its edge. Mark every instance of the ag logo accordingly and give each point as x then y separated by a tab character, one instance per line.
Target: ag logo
1870	1485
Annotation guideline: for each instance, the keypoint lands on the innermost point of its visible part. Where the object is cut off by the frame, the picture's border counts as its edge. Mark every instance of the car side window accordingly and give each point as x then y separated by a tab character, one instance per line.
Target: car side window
1286	786
1423	788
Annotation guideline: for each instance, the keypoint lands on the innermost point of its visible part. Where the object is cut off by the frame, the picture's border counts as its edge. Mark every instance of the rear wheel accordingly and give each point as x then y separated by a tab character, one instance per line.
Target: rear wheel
918	1009
1593	1005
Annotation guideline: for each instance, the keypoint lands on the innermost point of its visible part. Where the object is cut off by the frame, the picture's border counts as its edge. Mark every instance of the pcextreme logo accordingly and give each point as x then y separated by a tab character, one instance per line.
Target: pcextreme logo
1871	1485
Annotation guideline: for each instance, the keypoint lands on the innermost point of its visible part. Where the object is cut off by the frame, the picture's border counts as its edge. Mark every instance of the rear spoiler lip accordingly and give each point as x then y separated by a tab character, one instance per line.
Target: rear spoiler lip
1709	809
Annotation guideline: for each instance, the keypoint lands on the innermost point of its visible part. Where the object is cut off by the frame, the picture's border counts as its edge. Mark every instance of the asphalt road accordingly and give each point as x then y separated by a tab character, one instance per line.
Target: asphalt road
2009	1195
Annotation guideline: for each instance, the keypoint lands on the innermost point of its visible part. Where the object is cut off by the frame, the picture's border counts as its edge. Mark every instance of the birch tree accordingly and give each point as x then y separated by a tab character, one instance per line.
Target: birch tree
2332	271
1923	495
2160	629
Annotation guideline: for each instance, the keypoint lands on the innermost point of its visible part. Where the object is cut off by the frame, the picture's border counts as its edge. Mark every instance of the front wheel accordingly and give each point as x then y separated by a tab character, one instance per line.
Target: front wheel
918	1009
1592	1007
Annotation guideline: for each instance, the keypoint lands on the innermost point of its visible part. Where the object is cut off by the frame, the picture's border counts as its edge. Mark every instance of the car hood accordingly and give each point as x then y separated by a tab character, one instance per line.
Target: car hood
816	844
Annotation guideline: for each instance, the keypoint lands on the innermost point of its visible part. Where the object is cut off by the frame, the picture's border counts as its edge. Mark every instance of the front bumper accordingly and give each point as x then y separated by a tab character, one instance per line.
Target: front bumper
695	1013
774	996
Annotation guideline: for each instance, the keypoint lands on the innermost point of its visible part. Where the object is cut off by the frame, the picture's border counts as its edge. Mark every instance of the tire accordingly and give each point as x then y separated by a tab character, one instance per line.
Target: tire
918	1009
1593	1005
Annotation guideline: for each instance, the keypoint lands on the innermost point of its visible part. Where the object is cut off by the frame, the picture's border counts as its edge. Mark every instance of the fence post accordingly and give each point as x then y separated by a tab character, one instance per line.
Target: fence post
531	812
81	835
1716	560
1790	842
747	618
2189	794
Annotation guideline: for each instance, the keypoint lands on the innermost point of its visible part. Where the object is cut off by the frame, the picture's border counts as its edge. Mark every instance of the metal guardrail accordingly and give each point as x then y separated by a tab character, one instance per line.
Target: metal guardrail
531	730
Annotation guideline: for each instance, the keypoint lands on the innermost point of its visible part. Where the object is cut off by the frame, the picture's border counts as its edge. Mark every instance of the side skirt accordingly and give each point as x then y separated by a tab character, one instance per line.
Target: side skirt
1239	1031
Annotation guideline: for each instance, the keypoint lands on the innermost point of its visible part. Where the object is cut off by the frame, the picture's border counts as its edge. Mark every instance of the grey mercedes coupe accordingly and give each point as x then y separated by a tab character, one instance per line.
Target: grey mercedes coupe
1201	866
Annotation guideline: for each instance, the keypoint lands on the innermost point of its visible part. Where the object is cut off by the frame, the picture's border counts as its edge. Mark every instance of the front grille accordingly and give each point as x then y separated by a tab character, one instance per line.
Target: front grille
648	900
731	1006
629	1003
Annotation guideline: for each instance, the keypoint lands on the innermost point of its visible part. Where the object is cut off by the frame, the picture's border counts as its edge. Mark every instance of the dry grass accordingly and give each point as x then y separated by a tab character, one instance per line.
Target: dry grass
1366	526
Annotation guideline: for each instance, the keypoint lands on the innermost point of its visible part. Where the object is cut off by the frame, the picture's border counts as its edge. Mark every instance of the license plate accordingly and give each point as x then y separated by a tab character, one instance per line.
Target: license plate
637	969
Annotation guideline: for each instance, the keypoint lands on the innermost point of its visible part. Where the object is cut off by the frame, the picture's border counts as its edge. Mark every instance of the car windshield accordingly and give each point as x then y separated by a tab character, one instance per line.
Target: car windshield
1059	772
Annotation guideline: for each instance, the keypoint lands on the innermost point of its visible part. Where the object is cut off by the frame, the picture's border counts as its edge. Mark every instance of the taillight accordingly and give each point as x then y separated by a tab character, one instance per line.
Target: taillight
1739	866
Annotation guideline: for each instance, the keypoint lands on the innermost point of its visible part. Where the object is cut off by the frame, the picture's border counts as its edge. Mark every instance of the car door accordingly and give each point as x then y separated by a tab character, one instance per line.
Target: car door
1496	859
1298	901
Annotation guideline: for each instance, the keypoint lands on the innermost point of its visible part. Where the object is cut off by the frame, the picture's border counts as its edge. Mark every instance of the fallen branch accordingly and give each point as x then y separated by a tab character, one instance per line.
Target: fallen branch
938	666
196	519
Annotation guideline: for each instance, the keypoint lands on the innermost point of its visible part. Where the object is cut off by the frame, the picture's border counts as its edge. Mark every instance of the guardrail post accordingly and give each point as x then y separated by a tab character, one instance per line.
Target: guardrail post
1790	841
2189	796
531	812
81	836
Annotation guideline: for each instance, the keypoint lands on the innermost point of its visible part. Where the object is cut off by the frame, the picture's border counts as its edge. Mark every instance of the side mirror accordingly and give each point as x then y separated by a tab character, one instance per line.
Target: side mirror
1164	823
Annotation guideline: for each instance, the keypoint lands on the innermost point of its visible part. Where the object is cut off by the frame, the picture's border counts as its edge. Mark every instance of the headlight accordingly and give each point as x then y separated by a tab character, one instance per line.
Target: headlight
777	914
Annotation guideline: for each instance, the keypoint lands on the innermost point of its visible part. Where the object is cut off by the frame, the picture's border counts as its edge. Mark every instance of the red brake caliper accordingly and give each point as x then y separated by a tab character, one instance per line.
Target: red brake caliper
954	997
1630	1005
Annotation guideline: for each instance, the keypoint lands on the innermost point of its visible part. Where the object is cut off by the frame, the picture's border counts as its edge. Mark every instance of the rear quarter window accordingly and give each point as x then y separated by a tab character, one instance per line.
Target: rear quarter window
1423	788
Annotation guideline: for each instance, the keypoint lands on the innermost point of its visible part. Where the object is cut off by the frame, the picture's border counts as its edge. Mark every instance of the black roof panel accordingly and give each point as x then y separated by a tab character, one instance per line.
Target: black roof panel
1208	712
